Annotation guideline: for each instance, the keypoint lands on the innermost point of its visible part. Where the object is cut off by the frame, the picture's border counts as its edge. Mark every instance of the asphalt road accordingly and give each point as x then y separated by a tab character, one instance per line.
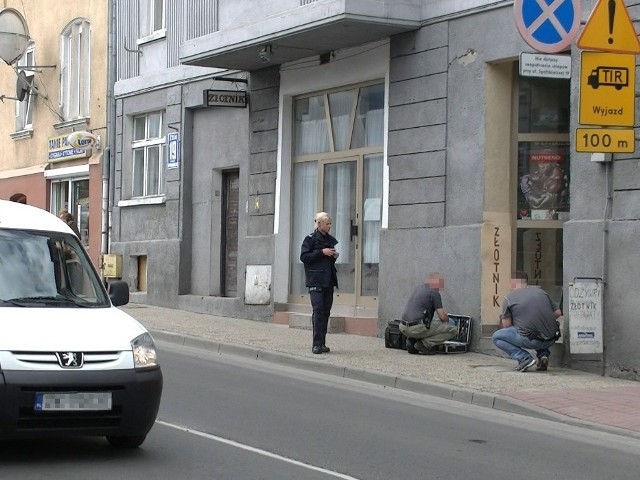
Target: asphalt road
224	417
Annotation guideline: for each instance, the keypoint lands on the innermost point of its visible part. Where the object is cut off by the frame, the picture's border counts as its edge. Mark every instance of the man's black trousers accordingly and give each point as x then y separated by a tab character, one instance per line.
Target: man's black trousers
321	302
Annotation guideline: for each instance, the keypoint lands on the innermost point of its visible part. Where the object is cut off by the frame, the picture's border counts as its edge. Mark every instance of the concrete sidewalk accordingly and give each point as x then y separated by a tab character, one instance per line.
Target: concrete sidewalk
559	394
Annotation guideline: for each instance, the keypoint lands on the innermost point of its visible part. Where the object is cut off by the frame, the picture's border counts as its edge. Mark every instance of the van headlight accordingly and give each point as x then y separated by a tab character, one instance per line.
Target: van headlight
144	351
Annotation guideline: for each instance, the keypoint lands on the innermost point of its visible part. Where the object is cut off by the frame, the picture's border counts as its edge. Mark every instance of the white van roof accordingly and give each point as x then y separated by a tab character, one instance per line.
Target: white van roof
26	217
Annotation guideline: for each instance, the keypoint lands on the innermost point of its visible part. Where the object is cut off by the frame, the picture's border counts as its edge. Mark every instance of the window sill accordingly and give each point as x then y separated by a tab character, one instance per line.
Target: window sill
82	123
22	134
134	202
160	34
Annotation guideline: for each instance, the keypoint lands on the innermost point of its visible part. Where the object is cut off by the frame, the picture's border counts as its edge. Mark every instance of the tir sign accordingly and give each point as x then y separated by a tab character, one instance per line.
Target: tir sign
607	96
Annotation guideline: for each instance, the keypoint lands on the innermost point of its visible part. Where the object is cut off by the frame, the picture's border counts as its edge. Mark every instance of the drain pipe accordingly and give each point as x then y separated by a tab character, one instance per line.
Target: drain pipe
111	108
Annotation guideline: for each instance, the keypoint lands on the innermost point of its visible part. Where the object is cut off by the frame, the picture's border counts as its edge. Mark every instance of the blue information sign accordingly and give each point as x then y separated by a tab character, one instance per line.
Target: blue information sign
548	26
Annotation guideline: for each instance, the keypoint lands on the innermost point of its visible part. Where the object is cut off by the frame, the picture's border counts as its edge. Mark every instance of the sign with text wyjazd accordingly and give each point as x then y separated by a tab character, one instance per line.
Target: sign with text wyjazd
607	89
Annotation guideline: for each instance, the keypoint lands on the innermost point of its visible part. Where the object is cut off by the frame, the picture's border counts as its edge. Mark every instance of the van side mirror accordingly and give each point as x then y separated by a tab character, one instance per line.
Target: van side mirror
119	293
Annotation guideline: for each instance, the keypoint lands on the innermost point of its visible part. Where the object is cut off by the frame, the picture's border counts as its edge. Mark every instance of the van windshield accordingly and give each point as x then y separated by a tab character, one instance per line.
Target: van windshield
47	269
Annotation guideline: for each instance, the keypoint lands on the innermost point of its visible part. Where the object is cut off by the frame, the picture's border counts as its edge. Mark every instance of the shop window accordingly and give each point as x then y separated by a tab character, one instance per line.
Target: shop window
75	71
543	179
72	195
147	154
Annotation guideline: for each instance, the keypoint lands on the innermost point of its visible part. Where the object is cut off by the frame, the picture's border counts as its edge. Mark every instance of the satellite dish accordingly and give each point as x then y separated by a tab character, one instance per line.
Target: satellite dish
14	35
23	86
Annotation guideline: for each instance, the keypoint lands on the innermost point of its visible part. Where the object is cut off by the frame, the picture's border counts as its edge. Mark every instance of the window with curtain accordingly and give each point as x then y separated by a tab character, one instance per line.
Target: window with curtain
75	70
304	200
24	108
152	17
148	154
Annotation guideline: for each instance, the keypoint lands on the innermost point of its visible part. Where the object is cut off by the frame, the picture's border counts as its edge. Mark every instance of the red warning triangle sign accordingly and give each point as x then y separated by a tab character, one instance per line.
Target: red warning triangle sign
609	29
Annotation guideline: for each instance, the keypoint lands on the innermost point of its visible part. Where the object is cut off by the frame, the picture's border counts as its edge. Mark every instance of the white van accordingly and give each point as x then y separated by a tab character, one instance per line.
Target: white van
71	363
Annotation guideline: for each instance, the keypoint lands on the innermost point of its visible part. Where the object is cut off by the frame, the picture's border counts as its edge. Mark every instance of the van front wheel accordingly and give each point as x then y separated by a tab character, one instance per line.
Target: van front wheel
126	441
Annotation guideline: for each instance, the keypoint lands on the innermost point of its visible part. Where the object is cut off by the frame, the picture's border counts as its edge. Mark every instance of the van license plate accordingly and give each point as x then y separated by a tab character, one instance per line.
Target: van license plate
73	401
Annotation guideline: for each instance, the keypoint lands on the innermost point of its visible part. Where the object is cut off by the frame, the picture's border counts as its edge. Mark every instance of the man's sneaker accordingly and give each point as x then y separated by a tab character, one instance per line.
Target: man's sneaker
543	363
524	365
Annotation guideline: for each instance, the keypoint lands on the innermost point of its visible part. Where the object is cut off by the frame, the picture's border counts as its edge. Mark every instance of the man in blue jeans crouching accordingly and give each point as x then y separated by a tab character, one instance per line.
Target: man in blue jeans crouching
528	323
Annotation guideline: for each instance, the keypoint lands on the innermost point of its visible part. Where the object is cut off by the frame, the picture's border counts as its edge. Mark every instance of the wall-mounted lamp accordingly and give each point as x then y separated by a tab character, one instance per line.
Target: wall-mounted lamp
265	54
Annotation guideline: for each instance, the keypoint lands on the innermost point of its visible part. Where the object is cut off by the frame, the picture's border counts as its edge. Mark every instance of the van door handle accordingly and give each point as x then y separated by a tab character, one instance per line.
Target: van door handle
354	230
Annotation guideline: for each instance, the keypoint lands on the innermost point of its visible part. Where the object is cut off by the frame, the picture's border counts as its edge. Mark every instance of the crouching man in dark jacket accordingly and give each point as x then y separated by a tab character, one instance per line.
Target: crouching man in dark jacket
319	256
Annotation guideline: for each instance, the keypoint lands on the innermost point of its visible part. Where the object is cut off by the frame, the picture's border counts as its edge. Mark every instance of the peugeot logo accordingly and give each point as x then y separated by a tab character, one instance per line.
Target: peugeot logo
70	359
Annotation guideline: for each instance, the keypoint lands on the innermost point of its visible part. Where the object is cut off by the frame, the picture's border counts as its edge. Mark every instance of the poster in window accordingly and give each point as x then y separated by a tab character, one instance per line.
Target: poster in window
543	180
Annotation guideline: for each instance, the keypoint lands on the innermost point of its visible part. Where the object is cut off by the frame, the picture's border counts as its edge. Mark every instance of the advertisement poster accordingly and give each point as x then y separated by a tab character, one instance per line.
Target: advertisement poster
543	180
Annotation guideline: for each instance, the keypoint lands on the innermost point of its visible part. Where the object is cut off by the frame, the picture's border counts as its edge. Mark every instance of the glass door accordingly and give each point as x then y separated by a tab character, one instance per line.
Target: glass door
339	200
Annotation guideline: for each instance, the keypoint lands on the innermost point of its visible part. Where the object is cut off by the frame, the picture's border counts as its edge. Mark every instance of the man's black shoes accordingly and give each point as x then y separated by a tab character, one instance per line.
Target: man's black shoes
410	348
421	348
317	349
325	349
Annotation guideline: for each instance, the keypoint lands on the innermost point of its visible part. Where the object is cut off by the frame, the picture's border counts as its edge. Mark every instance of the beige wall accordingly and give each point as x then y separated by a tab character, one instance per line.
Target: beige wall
45	21
497	236
45	26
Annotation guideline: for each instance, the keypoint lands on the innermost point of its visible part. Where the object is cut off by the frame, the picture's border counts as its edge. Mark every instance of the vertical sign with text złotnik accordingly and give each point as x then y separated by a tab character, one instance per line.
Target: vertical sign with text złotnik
585	316
607	79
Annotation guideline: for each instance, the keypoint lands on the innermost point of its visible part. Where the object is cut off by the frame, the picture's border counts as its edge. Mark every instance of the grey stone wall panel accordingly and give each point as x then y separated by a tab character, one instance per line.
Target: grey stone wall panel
432	112
415	140
265	78
625	174
260	225
626	205
263	162
424	215
265	201
145	222
264	99
261	142
416	165
417	190
262	183
418	89
431	36
418	65
264	120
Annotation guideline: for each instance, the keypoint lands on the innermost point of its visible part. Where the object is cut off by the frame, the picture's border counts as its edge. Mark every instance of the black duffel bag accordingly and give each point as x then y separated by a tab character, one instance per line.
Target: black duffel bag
393	338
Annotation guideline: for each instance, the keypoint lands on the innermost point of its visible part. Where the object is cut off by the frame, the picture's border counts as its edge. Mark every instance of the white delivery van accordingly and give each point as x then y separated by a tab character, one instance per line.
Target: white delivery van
71	363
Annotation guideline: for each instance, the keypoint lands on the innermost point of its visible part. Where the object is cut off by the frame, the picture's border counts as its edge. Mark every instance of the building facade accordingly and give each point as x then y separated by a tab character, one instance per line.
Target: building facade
409	122
57	87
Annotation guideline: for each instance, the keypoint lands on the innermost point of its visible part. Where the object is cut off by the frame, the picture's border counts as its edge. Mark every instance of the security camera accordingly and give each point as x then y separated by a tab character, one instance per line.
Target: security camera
265	54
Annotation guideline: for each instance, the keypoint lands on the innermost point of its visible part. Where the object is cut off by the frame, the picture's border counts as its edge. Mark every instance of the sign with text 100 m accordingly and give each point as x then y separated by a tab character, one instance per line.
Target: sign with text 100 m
605	140
607	89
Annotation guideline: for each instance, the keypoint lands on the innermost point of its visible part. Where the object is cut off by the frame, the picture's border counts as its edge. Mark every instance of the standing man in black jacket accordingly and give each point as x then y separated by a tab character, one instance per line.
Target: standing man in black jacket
319	255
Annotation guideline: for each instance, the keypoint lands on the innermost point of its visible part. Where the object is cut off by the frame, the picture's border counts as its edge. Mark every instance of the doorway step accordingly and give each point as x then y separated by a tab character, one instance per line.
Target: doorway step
344	318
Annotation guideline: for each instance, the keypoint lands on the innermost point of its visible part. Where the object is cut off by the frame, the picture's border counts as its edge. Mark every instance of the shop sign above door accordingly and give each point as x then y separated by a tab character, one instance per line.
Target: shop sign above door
548	26
225	98
609	29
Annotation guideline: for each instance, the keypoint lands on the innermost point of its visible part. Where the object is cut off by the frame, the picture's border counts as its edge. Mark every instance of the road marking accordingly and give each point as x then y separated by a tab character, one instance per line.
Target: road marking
256	450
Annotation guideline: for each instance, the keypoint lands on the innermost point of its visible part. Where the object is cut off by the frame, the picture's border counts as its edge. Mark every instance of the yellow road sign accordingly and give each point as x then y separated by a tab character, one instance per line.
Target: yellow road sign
605	140
609	29
607	83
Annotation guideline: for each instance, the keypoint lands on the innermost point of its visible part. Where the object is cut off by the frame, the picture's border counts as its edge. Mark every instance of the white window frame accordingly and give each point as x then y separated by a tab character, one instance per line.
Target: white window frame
24	109
75	72
149	29
145	145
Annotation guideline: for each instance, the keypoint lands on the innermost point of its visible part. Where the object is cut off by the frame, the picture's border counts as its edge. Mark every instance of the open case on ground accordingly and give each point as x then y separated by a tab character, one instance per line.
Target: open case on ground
460	343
